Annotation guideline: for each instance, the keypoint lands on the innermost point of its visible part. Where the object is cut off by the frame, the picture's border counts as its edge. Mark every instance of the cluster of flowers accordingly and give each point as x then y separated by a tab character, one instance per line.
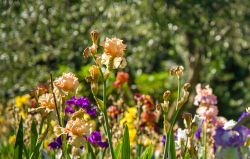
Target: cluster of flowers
76	126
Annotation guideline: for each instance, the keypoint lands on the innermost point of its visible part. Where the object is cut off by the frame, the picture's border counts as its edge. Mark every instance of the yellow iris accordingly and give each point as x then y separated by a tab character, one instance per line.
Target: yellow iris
129	118
21	100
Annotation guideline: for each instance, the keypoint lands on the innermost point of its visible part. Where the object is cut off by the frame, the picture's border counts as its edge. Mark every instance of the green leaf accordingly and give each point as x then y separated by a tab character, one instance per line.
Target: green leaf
99	103
187	156
125	144
118	150
171	146
19	142
34	136
148	153
35	153
91	154
26	152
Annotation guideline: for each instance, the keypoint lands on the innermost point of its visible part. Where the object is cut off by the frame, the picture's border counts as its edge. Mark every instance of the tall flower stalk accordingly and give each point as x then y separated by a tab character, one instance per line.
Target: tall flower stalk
111	58
169	151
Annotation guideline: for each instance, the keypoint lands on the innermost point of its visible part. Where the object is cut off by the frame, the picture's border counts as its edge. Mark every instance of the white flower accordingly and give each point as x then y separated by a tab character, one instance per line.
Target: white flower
229	124
181	138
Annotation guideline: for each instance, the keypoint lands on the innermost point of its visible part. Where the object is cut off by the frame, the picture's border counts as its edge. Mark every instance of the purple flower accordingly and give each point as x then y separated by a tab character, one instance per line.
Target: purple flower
82	102
96	139
235	137
69	109
103	144
243	115
71	101
57	143
198	133
91	111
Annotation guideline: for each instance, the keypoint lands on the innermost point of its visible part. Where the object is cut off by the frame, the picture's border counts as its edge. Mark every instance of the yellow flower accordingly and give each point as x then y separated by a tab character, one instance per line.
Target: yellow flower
132	135
23	114
21	100
12	139
129	116
129	119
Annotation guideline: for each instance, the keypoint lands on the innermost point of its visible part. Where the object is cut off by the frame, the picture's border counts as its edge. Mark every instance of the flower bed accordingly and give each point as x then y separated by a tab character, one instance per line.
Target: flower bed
56	121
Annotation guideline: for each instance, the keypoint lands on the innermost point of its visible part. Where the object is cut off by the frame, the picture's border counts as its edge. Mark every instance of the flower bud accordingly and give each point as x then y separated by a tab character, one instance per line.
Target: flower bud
93	49
94	36
165	106
166	95
86	52
179	71
186	86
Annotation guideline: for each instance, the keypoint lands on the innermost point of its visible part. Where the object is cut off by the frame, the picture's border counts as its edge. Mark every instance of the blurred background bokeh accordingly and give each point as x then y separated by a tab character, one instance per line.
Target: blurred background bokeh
210	38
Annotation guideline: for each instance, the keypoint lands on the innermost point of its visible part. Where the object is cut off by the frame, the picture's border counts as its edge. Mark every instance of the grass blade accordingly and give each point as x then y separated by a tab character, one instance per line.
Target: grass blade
91	154
118	150
148	153
34	136
19	142
125	145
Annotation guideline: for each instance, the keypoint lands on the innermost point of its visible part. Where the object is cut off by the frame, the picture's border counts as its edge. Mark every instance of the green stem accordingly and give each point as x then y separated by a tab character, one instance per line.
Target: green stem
170	131
106	121
106	125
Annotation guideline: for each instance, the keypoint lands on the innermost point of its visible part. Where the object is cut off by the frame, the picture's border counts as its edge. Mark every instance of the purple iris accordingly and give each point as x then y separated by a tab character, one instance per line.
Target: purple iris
231	138
198	133
243	115
57	143
69	109
91	111
82	102
95	138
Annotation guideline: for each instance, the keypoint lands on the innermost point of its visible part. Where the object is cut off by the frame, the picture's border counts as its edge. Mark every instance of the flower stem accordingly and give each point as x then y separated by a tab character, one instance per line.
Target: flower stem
204	136
170	131
106	121
106	125
54	97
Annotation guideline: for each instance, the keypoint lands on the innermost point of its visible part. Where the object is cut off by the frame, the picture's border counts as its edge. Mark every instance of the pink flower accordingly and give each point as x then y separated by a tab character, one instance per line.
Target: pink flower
207	112
205	96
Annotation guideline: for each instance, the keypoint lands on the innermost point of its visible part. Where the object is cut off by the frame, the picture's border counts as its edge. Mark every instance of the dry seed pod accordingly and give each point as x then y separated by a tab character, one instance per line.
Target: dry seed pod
166	95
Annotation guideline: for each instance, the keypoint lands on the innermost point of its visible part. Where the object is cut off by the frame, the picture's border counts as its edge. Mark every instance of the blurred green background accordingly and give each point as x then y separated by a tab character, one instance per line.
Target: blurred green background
210	38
